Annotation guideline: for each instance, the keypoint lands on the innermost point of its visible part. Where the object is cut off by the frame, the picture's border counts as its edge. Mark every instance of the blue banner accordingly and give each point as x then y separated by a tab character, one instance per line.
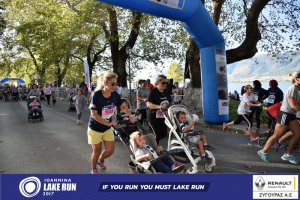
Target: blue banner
152	186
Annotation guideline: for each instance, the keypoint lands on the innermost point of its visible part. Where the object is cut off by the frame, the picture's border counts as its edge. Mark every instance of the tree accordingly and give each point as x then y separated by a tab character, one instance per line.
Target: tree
175	72
2	21
124	28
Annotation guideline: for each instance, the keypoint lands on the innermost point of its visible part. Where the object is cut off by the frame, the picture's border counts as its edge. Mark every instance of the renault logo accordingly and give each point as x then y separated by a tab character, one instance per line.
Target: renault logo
260	183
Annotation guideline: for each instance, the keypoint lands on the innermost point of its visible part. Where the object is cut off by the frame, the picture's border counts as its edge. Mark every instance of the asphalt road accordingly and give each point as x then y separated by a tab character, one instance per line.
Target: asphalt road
58	145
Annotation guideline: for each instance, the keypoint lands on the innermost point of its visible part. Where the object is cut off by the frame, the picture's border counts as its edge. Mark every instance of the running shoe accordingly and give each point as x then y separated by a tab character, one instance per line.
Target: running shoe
225	127
94	171
102	165
291	158
176	167
263	156
253	138
206	157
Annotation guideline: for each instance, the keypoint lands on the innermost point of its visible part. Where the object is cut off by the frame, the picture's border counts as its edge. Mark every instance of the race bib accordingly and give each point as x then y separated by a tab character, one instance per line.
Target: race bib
271	99
109	111
159	114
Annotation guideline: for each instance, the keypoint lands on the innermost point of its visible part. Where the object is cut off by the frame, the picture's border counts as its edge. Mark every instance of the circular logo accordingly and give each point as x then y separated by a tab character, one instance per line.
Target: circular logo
29	187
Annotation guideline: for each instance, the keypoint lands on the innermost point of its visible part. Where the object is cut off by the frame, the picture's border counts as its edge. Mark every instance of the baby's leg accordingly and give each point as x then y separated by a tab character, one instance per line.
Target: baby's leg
201	147
203	138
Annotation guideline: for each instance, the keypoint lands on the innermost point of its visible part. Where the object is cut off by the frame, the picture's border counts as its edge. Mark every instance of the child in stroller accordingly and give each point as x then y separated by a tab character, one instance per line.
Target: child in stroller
194	137
186	151
146	153
35	111
72	106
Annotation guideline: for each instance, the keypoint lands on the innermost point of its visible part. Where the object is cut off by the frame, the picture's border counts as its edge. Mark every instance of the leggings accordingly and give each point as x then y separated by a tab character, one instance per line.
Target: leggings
245	118
257	111
48	98
159	128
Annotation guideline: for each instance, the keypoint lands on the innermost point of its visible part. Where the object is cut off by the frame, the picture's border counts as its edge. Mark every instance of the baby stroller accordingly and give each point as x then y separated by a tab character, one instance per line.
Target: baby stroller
36	114
71	107
123	131
186	152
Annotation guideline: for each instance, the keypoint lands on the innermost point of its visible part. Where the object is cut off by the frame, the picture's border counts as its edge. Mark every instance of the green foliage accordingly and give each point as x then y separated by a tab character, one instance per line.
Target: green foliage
175	72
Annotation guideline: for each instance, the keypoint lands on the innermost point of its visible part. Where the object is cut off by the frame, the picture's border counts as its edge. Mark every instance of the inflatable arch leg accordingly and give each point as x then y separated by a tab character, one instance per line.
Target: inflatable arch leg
205	33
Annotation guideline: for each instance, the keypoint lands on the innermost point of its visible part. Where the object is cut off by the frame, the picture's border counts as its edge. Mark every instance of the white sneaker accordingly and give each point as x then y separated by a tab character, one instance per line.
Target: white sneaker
78	122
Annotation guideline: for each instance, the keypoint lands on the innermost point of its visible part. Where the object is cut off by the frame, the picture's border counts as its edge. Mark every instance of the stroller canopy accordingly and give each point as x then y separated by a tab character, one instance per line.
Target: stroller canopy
12	79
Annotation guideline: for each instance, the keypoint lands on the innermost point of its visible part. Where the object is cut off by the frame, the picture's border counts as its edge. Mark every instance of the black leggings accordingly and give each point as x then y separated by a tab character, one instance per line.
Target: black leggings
257	111
159	128
144	114
245	118
48	98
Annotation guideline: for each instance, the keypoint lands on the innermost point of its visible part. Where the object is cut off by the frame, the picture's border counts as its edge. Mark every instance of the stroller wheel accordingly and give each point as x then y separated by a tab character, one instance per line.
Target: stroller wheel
208	167
261	142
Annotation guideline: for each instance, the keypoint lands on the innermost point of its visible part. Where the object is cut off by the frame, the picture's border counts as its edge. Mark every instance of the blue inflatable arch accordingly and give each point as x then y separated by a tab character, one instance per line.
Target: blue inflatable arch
205	33
12	79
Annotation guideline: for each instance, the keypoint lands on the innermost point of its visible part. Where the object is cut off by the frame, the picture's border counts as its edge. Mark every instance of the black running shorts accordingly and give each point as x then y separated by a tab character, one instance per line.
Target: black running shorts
284	118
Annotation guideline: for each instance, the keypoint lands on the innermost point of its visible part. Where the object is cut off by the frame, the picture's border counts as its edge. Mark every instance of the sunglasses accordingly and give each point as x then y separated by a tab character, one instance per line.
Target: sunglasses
164	83
113	84
250	88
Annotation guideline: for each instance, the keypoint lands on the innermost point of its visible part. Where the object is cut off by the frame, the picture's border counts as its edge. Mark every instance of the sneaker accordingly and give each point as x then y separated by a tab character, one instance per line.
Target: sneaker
253	138
263	156
291	158
176	167
206	157
225	128
102	165
94	171
78	122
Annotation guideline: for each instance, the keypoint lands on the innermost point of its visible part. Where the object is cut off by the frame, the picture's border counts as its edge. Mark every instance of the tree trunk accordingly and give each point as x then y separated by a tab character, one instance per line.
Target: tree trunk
248	48
119	56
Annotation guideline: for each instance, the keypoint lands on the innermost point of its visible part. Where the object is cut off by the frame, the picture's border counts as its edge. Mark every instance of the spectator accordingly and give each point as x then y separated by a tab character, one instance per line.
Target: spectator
177	92
275	95
149	85
260	94
236	96
142	98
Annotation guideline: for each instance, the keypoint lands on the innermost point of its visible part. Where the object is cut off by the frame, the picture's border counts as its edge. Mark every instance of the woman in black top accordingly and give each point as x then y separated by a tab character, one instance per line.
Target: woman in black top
260	94
154	115
275	95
